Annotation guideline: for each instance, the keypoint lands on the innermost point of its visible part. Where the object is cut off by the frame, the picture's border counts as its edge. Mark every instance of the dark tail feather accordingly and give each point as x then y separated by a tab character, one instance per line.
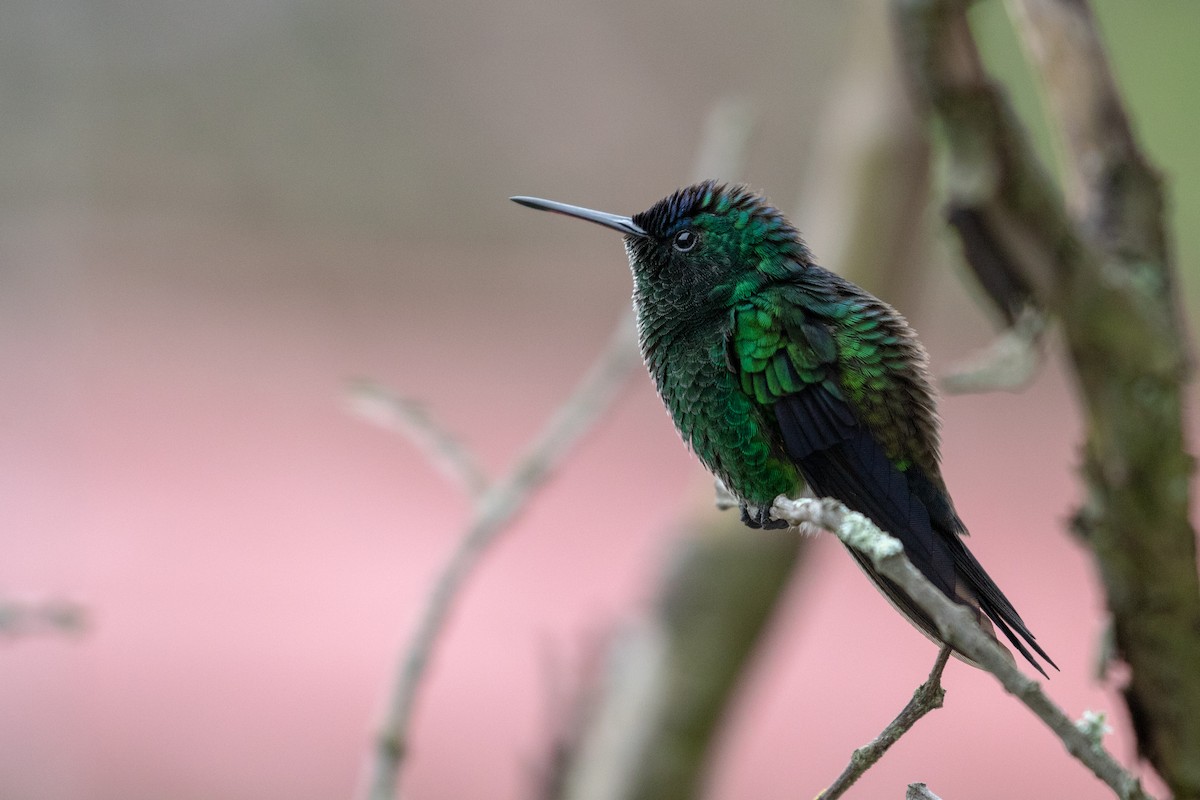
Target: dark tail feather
997	607
1006	618
840	458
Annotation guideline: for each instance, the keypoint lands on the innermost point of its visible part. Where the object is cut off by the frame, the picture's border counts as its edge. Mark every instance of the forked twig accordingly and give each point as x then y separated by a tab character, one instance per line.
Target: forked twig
407	417
494	509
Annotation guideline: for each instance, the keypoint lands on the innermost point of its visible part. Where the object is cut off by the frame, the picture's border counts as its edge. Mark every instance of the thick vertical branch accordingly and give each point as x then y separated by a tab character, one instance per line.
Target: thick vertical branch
1132	369
1103	271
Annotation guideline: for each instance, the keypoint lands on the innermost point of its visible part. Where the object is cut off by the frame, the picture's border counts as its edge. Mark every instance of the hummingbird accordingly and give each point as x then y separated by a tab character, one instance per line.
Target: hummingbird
781	375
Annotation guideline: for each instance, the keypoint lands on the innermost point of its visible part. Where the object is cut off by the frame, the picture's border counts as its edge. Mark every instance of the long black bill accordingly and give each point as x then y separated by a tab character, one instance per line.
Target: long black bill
618	223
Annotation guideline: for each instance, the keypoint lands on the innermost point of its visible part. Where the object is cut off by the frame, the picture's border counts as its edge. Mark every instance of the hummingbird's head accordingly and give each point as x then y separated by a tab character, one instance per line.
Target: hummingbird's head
702	248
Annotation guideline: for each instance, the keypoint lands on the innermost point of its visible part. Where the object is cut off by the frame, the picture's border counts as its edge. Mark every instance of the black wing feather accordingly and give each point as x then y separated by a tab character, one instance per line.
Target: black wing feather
841	458
849	464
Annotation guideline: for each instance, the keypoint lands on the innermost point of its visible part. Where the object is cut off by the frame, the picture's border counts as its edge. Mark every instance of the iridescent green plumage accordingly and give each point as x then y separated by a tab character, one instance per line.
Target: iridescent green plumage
779	373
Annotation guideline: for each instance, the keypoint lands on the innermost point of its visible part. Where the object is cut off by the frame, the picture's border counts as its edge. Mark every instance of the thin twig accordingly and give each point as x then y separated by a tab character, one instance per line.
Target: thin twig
919	791
493	511
926	698
958	628
407	417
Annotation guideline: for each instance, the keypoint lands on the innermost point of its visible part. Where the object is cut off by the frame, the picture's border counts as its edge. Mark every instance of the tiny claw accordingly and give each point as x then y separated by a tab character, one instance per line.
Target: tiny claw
767	522
761	519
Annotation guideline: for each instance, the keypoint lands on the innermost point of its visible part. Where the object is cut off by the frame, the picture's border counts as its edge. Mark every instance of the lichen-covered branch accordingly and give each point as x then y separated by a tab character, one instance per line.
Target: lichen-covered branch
919	791
1113	192
1009	215
1102	270
958	628
1122	323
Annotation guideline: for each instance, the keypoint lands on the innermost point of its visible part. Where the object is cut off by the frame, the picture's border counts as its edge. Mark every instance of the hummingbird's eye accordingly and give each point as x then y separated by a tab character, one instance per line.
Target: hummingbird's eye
685	240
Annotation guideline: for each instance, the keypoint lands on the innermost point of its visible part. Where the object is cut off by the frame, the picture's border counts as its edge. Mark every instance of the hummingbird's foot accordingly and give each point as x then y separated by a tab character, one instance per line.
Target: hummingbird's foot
761	518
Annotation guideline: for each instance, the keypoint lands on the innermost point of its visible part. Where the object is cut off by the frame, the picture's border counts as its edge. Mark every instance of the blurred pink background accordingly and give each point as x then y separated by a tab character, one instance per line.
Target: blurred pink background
218	217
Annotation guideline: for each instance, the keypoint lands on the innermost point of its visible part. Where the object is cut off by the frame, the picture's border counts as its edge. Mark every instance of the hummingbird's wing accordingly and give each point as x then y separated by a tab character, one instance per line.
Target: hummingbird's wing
855	414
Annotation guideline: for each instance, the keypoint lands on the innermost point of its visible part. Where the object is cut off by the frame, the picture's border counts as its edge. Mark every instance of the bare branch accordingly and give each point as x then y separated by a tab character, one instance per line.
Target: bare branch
959	629
493	511
1020	240
570	713
625	720
919	791
926	698
26	619
1008	364
407	417
1108	176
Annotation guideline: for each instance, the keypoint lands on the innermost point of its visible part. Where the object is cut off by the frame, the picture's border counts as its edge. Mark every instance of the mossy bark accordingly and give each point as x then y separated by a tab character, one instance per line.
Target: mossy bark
1099	263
